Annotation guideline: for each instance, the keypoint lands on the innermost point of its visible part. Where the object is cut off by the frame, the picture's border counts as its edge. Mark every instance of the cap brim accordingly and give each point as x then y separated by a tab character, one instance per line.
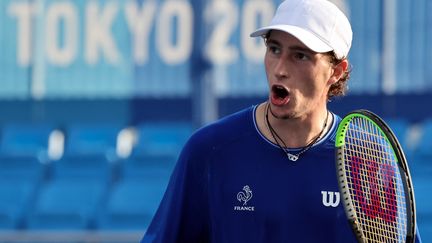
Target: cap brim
310	40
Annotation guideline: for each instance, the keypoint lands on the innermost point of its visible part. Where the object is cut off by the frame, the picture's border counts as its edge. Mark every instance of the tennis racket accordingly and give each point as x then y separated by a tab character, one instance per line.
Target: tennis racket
374	180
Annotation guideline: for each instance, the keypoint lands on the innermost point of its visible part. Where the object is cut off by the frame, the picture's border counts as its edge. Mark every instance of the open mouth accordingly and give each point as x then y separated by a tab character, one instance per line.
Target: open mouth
280	91
280	95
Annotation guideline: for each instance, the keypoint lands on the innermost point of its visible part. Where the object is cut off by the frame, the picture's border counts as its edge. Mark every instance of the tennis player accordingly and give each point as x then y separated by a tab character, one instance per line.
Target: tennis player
267	173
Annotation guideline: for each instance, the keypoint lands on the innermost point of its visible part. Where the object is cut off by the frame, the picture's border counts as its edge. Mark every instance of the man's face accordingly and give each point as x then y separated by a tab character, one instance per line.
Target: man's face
299	79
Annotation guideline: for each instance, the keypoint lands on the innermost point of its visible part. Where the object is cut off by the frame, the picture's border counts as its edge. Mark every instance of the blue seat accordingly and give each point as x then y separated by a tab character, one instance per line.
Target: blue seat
422	153
161	138
16	196
423	195
400	128
90	152
132	203
92	139
424	147
26	139
157	148
83	166
147	165
67	204
23	167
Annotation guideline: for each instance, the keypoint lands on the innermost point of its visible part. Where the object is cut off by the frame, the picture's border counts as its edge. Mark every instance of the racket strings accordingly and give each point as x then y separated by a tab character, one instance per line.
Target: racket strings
374	180
373	195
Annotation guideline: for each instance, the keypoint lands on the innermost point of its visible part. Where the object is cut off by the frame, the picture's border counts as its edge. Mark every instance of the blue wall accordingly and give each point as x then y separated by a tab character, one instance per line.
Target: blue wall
123	49
134	111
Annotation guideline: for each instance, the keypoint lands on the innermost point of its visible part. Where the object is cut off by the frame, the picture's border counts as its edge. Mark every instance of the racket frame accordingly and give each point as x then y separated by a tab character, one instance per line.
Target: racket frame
402	165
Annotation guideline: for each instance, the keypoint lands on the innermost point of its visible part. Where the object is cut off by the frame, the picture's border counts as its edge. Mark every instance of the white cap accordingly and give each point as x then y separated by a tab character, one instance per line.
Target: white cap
318	24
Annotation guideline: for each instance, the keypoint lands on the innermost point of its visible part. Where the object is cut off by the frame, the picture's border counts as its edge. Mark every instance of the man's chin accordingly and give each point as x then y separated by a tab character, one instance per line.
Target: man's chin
280	113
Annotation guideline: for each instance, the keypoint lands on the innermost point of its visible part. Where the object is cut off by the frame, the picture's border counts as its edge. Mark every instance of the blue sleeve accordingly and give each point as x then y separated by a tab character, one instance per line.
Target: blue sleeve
182	215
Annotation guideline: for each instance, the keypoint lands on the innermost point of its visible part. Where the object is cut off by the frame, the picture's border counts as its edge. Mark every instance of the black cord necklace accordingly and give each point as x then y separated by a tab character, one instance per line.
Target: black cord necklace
284	148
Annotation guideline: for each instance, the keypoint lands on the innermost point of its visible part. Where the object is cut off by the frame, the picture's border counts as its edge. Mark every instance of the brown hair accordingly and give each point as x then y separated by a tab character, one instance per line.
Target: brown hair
340	87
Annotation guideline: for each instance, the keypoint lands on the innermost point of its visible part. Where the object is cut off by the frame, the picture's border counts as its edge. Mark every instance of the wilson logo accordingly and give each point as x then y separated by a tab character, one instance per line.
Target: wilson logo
375	189
330	199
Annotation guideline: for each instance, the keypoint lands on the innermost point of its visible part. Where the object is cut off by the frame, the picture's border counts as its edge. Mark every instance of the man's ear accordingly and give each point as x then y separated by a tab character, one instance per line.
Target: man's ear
338	71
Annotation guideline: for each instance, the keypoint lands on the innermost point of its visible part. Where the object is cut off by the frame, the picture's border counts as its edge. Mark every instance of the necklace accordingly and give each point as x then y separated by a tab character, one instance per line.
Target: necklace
277	138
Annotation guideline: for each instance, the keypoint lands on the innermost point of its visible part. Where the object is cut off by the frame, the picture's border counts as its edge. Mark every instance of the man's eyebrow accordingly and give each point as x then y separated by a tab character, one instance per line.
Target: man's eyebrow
272	41
302	49
292	48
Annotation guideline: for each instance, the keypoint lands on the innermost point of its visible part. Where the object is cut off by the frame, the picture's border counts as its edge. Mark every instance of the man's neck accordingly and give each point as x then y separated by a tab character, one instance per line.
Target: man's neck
295	132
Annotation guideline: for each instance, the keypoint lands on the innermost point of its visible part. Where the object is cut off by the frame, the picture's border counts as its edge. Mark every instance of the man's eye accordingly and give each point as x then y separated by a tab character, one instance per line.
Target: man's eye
301	56
274	49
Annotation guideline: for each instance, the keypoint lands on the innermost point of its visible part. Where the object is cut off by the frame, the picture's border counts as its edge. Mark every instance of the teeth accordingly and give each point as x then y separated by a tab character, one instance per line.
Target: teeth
280	91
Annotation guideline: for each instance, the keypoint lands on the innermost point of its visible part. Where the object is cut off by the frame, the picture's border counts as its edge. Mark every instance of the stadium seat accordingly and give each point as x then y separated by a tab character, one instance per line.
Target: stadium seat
90	152
422	153
67	204
16	196
83	166
147	165
400	128
156	150
87	139
134	199
422	190
26	139
161	138
24	167
20	179
24	157
132	203
424	147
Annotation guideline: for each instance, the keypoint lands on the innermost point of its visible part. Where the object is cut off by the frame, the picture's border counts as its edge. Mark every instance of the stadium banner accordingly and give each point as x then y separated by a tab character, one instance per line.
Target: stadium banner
126	48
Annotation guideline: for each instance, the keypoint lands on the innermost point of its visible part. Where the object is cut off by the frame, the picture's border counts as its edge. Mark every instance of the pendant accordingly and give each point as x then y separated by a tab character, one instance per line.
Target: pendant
292	157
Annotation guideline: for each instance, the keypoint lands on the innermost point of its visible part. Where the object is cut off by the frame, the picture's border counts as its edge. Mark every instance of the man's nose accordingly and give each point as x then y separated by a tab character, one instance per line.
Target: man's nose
281	69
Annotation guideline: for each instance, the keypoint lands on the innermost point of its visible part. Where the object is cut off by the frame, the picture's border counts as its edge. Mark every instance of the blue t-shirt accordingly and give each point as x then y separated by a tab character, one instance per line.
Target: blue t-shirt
231	184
